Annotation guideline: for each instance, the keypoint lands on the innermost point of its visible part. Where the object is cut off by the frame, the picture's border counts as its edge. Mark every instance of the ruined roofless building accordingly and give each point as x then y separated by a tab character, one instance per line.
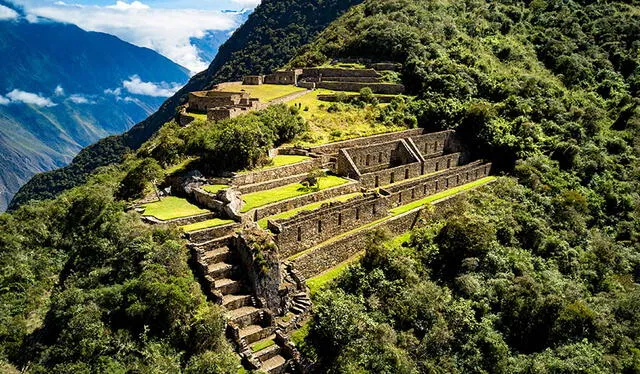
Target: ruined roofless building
219	105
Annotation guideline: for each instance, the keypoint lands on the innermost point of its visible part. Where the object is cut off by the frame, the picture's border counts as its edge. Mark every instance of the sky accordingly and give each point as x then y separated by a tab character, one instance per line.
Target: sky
162	25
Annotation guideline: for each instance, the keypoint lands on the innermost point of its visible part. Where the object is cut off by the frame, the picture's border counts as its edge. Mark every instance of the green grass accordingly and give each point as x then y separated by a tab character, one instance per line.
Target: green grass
172	207
265	92
214	188
300	335
288	214
182	166
262	198
278	161
257	347
427	200
206	224
318	282
198	116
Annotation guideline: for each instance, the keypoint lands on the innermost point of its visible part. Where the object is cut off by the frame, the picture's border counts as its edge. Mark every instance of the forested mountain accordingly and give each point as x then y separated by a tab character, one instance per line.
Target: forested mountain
63	88
536	273
271	36
539	273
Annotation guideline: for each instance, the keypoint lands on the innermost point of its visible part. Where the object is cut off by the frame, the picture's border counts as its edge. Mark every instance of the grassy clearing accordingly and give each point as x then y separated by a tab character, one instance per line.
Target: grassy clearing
172	207
349	123
278	161
320	281
300	335
198	116
214	188
262	198
427	200
257	347
288	214
206	224
182	166
265	92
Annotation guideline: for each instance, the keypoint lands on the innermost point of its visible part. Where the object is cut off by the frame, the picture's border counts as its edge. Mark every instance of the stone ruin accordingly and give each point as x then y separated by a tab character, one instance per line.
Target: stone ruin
220	105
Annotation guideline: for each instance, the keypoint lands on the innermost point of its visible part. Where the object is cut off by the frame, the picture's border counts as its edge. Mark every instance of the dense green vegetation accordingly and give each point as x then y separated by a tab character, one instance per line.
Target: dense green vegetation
271	36
538	274
87	288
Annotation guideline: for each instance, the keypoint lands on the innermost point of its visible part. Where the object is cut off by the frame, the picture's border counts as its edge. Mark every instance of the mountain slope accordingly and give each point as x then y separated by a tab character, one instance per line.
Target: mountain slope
271	36
62	88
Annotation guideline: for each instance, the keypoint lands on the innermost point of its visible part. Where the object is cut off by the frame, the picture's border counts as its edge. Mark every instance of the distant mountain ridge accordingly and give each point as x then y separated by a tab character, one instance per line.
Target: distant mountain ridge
271	36
62	88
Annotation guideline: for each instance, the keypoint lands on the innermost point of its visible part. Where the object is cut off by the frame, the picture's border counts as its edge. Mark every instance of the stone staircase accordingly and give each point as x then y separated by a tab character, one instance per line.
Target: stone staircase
248	323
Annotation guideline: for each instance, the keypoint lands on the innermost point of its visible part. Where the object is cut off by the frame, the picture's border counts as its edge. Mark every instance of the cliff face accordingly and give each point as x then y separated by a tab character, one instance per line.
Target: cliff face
272	35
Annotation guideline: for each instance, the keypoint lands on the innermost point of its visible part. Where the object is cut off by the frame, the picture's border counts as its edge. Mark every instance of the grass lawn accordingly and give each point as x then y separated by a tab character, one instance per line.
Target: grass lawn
182	166
325	127
206	224
198	116
214	188
263	222
280	160
172	207
262	198
429	199
256	347
265	92
318	282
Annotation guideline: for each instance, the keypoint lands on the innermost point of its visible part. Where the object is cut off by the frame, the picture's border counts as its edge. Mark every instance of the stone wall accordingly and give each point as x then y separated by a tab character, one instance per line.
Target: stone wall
435	144
351	79
377	156
212	233
338	72
333	148
208	200
378	88
418	189
268	185
307	229
300	201
345	165
276	173
414	170
283	77
180	221
380	66
334	253
253	80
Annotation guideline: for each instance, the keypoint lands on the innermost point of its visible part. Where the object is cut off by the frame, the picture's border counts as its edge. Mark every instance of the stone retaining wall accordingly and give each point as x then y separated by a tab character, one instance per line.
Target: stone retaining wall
352	79
332	254
428	186
180	221
300	201
208	200
276	173
307	229
205	235
333	148
275	183
435	144
337	72
376	156
377	88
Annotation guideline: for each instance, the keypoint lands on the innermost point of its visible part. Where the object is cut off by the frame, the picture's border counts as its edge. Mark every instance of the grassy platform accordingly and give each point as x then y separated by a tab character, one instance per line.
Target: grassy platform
278	161
214	188
172	207
206	224
288	214
262	198
265	92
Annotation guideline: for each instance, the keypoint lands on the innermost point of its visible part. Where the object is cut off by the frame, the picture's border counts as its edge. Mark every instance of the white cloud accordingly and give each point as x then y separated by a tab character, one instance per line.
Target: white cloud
18	96
114	92
7	13
79	99
4	100
137	87
248	3
167	31
59	91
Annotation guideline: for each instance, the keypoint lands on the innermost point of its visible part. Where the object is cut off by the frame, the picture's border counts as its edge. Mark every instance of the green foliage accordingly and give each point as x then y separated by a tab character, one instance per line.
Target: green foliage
136	181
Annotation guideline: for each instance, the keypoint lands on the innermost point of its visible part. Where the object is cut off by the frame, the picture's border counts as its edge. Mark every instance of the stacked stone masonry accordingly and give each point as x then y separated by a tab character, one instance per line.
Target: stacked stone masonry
310	228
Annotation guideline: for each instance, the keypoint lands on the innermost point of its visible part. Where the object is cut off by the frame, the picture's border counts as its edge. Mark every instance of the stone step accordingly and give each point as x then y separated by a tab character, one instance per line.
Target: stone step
228	286
296	309
245	316
303	303
220	270
222	254
269	352
275	365
232	302
253	333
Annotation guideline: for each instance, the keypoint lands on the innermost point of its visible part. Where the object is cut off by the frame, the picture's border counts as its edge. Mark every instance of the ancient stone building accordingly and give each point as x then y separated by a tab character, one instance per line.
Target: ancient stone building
219	105
283	77
253	80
